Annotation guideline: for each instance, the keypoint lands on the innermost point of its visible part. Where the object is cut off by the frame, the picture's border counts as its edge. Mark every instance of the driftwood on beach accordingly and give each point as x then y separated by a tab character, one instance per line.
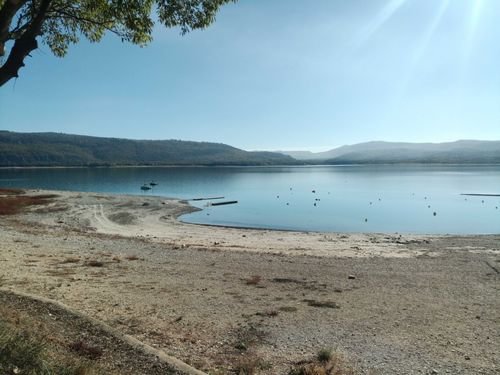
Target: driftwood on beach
205	199
223	203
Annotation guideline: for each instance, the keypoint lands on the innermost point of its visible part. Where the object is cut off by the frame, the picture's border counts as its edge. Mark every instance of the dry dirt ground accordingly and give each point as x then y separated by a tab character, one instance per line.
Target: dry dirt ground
223	299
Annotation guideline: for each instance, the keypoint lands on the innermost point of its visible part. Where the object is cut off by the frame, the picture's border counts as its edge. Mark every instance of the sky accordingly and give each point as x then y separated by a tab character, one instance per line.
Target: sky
279	75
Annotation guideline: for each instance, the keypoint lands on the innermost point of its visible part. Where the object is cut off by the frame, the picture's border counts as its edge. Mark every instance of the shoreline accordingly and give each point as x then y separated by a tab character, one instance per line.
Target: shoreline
339	233
218	298
156	218
181	202
299	165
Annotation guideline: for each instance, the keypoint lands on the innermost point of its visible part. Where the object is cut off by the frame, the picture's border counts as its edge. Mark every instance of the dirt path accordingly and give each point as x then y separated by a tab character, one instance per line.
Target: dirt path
222	298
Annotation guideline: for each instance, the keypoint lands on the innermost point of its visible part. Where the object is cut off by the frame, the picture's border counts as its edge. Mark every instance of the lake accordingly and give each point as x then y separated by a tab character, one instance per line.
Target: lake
387	198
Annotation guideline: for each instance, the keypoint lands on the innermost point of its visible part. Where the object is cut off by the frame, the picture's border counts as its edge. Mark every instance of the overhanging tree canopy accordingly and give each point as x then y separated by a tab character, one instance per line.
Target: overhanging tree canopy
59	23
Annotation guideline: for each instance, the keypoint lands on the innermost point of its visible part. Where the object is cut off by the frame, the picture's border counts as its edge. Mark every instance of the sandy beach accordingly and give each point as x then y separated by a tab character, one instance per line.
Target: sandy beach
218	297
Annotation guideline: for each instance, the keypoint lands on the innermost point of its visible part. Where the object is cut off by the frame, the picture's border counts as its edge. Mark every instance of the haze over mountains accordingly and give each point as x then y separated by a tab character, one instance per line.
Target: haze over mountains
56	149
465	151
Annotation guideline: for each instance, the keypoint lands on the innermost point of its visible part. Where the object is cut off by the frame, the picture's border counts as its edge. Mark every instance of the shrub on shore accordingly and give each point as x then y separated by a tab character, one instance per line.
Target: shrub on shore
12	204
327	362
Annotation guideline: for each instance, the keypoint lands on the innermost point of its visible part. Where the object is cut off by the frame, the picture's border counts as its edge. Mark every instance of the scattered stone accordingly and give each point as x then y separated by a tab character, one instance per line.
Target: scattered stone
351	277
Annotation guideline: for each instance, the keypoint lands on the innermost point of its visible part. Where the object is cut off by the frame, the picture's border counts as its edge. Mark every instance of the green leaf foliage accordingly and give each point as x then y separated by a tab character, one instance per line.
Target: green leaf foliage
132	20
61	23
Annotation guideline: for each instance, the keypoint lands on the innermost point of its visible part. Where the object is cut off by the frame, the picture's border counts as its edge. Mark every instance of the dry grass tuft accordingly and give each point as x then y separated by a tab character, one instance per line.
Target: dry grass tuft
324	355
324	304
288	308
94	263
326	363
248	337
70	260
249	364
246	367
86	350
253	280
270	313
64	272
283	280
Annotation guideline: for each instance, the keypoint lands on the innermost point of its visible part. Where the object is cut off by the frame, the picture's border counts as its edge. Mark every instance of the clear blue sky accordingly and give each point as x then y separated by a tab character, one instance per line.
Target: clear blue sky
280	74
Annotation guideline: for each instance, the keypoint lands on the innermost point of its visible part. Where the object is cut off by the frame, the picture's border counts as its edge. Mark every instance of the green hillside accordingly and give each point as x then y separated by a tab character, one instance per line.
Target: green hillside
55	149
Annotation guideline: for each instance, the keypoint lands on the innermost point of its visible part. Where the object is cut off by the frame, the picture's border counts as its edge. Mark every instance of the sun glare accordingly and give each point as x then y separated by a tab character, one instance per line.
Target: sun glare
426	40
376	24
472	27
473	11
477	9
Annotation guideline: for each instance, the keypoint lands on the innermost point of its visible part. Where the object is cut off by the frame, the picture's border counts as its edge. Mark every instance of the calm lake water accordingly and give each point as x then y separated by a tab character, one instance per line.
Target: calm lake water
331	198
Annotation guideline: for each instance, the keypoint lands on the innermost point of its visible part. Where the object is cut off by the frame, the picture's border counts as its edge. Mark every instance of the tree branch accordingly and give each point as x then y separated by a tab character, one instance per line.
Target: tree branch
24	45
17	31
63	14
7	13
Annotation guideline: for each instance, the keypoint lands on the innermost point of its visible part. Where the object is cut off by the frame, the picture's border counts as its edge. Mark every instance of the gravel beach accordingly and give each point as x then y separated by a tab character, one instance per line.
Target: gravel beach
218	298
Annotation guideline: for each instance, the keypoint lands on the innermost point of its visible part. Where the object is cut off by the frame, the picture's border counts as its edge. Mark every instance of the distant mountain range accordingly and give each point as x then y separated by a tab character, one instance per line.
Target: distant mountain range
459	152
55	149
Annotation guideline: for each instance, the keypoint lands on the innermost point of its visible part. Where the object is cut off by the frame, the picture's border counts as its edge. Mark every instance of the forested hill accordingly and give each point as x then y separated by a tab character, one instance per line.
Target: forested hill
459	152
55	149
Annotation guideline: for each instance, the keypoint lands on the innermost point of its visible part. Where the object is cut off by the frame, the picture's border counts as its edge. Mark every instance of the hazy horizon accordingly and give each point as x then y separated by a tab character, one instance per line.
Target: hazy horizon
282	75
285	150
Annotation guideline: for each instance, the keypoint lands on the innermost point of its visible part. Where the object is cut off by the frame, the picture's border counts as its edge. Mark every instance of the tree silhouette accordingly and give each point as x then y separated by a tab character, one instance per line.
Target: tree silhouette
59	23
